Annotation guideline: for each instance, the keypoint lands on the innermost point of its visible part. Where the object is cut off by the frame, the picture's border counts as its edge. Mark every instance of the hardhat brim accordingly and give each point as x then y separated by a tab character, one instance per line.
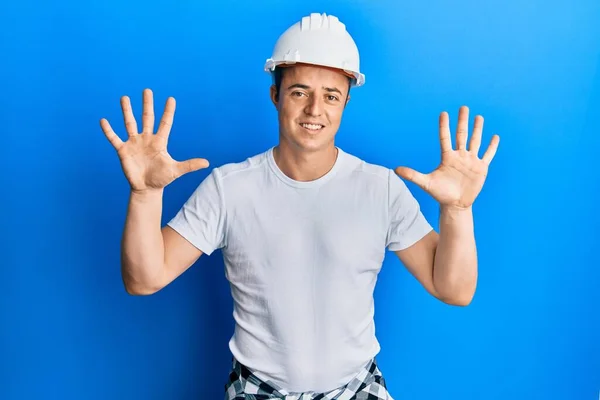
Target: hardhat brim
357	78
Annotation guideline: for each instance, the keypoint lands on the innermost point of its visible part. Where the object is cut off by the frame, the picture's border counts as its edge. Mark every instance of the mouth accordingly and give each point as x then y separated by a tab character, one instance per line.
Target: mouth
312	127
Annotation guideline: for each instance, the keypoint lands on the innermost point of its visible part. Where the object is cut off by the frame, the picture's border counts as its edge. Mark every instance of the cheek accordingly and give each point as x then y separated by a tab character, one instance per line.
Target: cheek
335	115
289	113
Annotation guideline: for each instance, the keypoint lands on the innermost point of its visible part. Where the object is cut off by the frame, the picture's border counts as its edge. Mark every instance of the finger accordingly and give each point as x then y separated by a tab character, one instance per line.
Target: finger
444	127
130	124
194	164
475	141
148	112
411	175
110	134
166	122
461	129
491	150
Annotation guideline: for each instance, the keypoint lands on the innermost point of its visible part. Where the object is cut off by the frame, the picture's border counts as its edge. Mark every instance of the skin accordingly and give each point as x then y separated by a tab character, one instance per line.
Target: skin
313	95
151	257
445	263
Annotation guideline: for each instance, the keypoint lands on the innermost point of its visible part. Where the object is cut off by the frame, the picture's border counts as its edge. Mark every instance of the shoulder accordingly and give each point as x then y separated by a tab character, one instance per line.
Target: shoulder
375	178
359	168
240	171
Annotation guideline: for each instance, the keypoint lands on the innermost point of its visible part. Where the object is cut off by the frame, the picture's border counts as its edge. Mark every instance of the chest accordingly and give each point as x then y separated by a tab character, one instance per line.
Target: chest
272	233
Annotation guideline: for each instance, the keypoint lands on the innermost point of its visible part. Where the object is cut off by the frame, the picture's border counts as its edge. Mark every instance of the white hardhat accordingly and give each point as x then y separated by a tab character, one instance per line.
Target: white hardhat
318	39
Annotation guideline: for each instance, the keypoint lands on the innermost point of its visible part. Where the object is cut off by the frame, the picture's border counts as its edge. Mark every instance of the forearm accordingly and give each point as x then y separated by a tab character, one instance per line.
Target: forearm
455	263
142	253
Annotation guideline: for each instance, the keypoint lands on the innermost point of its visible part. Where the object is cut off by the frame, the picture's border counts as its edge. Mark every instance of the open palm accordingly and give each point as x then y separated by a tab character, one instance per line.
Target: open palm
459	178
144	158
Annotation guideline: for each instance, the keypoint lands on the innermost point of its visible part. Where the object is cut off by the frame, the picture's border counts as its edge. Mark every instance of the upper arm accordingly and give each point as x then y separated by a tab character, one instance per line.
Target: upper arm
410	236
179	253
198	228
419	258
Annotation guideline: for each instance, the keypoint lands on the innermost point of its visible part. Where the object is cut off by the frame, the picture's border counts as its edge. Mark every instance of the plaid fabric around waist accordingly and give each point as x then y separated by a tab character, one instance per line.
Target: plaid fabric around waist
368	384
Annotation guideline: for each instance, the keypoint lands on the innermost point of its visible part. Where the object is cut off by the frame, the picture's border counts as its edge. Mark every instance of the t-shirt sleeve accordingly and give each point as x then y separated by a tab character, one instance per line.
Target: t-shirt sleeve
201	219
406	223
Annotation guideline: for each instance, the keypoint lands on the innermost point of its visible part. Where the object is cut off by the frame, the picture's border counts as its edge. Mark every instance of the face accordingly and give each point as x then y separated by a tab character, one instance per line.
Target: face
310	104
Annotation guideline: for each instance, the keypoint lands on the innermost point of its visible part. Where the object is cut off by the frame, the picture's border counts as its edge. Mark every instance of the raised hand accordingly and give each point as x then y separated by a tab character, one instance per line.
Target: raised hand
459	178
144	158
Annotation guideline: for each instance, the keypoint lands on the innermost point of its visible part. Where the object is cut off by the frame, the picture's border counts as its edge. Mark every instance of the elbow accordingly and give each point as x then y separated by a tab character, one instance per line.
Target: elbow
459	301
460	297
136	288
141	284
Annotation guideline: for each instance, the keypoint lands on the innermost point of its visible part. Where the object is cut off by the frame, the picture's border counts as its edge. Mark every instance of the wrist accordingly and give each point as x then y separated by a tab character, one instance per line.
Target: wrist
146	195
455	208
450	213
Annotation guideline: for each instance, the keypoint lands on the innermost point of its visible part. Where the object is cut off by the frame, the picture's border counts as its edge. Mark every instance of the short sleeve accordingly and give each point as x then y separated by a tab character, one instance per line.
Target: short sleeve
406	223
201	219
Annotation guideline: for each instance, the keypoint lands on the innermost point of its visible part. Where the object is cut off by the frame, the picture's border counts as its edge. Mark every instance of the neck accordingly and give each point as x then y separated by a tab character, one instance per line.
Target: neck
304	166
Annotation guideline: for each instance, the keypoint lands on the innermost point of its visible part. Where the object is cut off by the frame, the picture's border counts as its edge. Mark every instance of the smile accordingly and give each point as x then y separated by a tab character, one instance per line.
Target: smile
312	127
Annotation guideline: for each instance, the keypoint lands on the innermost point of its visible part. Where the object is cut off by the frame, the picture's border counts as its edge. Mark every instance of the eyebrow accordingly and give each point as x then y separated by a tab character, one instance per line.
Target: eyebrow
302	86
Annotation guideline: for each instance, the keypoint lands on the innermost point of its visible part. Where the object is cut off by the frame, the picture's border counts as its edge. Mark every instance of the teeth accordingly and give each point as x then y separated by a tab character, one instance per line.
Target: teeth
312	127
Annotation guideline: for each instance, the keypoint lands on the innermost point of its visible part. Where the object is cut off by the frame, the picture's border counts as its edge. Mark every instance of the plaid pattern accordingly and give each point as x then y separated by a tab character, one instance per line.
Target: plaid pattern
368	384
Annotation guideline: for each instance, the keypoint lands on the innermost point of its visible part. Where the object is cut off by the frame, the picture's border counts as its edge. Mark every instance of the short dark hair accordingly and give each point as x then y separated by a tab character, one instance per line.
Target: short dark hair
278	76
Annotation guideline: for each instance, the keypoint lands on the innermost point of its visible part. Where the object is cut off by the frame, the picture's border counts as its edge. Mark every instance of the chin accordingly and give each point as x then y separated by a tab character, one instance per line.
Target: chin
308	141
313	145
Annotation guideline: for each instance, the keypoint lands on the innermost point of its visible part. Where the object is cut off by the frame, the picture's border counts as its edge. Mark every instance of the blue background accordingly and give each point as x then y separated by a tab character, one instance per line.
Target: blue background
532	69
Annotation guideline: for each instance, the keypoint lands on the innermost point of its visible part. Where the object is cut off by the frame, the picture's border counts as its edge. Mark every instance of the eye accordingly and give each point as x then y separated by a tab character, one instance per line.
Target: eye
332	97
297	94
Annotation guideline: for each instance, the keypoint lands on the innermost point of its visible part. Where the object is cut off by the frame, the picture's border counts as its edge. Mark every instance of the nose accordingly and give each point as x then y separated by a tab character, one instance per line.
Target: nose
314	106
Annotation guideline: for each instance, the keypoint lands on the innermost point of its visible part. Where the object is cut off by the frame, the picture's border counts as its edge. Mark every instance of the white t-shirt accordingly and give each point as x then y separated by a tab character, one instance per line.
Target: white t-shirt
302	259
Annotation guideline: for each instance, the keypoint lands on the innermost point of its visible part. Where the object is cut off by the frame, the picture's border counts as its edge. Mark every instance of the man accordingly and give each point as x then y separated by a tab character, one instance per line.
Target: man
303	226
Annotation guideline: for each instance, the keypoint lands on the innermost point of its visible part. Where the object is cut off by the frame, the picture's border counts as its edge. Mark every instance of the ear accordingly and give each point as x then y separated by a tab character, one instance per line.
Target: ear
274	95
347	100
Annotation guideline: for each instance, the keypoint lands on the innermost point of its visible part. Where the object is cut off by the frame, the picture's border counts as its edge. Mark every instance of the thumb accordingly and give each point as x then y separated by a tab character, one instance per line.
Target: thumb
413	176
191	165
